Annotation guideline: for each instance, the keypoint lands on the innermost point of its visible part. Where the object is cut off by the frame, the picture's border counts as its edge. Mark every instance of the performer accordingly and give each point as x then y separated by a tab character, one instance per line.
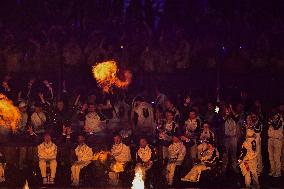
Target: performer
257	128
209	157
248	159
205	135
121	155
144	157
275	134
47	152
177	153
142	116
84	156
166	130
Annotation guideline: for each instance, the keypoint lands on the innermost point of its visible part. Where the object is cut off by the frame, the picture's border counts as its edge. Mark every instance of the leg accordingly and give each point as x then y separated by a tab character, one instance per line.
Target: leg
171	172
247	180
42	166
259	155
22	156
271	156
53	165
233	147
277	157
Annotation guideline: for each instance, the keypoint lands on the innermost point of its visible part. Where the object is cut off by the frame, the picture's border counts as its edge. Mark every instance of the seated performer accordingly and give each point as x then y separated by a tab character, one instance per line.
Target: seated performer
248	159
47	152
84	156
177	153
206	134
144	157
209	157
120	154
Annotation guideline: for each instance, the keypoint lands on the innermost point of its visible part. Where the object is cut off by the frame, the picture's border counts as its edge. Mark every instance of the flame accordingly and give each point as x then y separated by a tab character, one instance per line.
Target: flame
26	186
106	75
9	114
138	182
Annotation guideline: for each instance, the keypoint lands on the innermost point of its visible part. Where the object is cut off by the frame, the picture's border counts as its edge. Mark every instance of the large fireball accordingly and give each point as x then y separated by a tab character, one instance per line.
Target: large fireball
106	75
9	114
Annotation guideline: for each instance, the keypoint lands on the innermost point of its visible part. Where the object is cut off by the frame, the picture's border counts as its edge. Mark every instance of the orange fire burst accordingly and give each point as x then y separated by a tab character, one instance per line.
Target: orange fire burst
106	75
9	114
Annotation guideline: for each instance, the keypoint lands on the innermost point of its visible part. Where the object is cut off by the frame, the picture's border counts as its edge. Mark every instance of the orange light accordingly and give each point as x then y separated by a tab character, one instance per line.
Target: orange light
106	75
9	114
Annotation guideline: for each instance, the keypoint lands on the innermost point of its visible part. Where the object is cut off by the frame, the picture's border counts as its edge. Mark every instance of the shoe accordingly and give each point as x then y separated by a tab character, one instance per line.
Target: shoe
44	181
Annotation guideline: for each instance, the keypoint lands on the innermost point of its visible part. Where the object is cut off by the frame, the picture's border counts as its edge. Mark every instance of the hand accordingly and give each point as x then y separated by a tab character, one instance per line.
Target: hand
30	130
64	130
84	107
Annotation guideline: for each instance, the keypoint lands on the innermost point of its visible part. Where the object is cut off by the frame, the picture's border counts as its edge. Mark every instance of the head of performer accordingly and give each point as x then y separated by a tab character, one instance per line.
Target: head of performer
91	107
176	137
81	139
169	116
192	115
117	139
206	127
60	105
47	138
38	108
143	142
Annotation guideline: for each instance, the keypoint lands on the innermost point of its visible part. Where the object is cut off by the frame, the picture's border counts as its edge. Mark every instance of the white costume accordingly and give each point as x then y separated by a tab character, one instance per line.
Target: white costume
38	120
248	159
143	157
84	156
177	153
47	153
204	136
208	158
275	134
121	154
93	123
145	117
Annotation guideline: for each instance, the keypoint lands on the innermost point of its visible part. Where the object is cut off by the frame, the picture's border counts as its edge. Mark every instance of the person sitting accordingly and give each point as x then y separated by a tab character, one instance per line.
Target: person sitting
248	159
206	134
177	153
47	152
84	156
144	157
209	157
38	120
121	155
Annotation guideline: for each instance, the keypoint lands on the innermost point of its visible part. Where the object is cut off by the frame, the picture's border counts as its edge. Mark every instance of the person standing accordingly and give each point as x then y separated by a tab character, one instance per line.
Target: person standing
275	137
248	159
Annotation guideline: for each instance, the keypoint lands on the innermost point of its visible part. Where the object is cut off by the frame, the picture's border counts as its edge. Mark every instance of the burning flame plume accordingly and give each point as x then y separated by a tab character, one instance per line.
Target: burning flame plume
106	75
9	114
138	182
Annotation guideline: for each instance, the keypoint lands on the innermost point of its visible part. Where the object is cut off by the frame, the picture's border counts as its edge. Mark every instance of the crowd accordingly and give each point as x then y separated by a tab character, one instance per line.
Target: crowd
178	135
160	36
